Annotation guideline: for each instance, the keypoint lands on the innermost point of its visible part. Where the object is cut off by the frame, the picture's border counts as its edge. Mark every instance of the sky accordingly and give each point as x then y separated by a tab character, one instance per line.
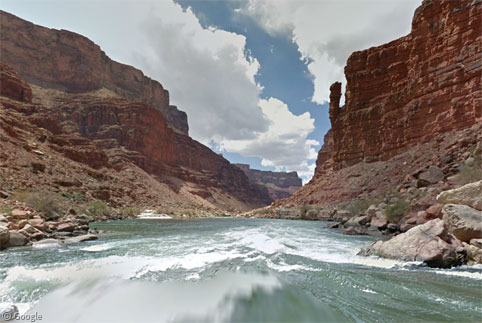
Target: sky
252	75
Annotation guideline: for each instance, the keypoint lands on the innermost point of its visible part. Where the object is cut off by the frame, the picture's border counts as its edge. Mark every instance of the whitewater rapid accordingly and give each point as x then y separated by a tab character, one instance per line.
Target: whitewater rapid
228	270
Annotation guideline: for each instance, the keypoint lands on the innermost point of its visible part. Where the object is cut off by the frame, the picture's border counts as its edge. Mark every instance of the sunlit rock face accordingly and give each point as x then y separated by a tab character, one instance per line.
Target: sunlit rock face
413	88
103	114
70	62
410	103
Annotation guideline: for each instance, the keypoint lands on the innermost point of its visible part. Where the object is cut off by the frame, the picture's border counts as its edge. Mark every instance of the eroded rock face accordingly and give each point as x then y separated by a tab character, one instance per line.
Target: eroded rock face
67	61
413	88
429	243
279	184
114	133
405	104
463	221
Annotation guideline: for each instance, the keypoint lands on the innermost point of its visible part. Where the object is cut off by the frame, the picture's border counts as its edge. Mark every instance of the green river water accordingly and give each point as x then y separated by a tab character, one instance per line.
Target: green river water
231	270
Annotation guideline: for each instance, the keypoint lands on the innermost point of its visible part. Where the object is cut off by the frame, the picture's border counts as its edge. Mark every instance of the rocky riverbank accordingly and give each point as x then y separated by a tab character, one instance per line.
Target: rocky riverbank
454	239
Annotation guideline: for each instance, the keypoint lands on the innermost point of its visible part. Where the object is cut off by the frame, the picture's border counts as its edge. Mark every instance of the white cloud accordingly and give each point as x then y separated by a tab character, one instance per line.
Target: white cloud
327	32
284	145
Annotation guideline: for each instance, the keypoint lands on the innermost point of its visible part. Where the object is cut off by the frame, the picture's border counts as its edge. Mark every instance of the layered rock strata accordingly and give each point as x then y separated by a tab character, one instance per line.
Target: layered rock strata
403	102
279	184
66	61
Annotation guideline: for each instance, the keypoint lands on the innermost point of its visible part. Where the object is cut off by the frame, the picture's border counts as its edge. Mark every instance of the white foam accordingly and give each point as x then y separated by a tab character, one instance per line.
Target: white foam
96	248
466	274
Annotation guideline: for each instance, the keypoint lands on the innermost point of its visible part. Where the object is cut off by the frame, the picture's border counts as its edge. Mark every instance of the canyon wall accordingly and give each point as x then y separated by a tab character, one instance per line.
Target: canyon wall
411	89
279	184
412	102
104	114
70	62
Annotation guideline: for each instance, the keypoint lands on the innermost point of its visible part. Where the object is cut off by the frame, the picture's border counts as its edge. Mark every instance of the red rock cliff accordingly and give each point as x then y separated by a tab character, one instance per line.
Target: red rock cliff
407	104
130	122
411	89
279	184
67	61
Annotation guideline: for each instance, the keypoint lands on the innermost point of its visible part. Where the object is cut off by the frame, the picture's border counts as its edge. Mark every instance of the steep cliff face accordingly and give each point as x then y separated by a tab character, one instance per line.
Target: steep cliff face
77	135
279	184
106	115
69	62
413	102
411	89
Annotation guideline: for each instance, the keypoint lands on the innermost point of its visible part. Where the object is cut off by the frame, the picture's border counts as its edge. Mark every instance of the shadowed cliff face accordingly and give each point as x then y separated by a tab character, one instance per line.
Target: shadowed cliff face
69	62
407	104
280	185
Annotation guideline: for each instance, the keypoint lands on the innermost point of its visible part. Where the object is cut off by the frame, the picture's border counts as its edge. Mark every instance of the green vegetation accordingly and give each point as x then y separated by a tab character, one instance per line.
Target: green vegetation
397	210
361	205
43	201
98	208
130	211
7	211
470	173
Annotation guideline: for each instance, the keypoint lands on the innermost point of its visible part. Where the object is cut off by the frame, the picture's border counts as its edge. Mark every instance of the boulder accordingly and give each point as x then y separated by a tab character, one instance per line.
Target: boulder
358	221
476	242
48	243
3	219
429	175
379	223
66	227
334	225
4	237
463	221
38	224
429	243
354	230
17	239
474	253
470	195
85	237
20	214
372	211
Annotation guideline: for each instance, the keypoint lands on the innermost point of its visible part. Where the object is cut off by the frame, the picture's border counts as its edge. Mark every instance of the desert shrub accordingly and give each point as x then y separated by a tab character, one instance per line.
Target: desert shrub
130	211
42	201
98	208
396	211
308	207
470	173
7	211
361	205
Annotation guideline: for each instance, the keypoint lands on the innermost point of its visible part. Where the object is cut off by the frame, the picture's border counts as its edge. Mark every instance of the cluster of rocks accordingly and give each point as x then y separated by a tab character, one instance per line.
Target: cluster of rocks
23	226
452	240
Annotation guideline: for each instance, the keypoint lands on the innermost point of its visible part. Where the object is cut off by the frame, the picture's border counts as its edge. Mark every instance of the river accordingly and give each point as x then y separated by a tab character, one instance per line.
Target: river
231	270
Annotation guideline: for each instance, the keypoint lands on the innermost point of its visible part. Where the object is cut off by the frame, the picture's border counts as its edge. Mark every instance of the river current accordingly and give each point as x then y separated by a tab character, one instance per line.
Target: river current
231	270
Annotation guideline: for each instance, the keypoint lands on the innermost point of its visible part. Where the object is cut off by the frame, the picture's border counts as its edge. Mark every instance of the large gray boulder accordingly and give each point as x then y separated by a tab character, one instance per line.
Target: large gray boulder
360	220
428	176
48	243
470	195
429	243
85	237
463	222
17	239
4	237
